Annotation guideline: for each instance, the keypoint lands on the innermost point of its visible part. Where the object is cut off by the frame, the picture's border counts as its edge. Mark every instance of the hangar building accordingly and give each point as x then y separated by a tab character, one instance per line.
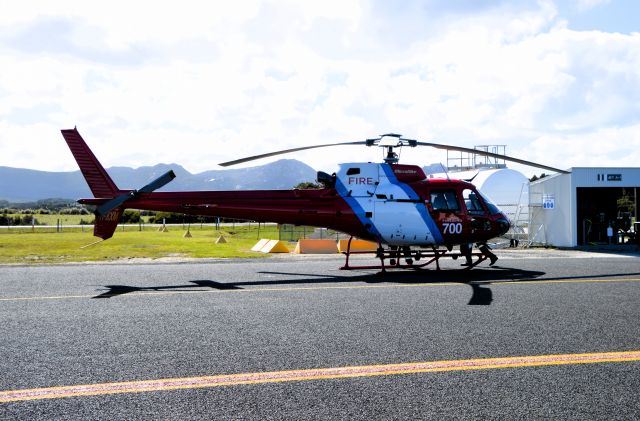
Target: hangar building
569	210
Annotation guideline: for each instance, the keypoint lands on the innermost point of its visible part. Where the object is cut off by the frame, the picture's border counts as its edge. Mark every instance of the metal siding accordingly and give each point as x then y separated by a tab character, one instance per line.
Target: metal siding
588	177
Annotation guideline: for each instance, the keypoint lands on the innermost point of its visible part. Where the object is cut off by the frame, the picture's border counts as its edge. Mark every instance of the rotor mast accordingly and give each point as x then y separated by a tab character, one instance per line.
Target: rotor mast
390	141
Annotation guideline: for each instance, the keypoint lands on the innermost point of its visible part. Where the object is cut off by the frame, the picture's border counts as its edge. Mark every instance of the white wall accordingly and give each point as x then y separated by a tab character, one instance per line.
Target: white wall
555	226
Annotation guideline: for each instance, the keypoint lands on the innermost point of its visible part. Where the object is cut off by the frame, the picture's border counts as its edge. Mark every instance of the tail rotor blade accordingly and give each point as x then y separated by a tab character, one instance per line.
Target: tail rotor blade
117	201
110	205
158	182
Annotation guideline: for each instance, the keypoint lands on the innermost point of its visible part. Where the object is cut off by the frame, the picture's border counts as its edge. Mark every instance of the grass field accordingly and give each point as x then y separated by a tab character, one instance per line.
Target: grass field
28	247
46	245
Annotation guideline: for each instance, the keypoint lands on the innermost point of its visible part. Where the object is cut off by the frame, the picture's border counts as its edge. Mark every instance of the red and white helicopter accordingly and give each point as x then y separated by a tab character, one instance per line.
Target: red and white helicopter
410	216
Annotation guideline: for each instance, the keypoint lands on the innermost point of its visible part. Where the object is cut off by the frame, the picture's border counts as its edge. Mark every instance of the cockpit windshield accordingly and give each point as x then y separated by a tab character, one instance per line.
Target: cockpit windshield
473	201
493	209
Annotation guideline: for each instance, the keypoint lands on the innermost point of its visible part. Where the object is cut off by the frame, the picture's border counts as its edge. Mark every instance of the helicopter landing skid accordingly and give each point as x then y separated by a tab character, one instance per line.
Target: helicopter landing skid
410	257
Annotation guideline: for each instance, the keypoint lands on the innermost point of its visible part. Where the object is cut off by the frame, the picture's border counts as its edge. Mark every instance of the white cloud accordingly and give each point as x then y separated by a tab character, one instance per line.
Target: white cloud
584	5
213	81
607	147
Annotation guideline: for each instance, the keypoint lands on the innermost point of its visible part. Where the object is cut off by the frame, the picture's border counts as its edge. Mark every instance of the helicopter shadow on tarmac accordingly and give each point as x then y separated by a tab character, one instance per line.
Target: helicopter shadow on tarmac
477	279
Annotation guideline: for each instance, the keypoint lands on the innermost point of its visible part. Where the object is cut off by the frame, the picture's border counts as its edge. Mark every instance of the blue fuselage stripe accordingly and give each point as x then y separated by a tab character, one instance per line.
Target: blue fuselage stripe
420	207
367	223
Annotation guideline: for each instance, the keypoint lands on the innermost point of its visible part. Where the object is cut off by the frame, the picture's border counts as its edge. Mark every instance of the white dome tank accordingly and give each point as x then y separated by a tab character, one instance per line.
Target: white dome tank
504	186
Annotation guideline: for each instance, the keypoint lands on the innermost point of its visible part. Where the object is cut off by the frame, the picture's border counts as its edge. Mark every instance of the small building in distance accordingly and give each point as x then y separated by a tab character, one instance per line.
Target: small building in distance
588	206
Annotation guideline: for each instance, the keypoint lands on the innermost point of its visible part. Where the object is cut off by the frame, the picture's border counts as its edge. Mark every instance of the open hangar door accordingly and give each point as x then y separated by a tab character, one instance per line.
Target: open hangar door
601	208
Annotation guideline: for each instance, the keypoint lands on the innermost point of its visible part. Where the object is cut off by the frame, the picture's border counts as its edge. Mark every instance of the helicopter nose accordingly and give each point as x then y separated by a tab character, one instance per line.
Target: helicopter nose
503	224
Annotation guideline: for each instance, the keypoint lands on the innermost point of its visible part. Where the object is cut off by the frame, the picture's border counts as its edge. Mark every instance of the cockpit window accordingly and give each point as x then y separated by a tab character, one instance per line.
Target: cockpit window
444	201
471	201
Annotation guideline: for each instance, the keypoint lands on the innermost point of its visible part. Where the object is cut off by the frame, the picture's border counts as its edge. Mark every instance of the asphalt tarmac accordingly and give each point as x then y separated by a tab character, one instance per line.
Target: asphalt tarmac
295	338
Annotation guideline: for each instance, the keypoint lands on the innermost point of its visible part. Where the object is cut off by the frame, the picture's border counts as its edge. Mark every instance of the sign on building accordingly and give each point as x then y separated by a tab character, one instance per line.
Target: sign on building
548	201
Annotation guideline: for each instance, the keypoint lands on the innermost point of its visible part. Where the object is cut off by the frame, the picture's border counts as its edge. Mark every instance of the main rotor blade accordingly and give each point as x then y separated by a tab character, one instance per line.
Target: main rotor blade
285	151
412	143
492	155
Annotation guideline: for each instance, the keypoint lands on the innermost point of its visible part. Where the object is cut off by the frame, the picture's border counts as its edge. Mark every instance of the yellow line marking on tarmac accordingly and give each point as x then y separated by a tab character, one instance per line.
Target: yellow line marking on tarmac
52	297
313	374
564	281
285	289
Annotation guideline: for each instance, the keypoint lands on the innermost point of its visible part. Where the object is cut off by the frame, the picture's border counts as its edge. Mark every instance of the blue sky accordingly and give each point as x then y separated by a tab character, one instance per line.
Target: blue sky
606	16
202	82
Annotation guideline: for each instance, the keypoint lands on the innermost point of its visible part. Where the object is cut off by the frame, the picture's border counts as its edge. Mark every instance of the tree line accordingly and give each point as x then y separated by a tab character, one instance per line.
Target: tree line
19	213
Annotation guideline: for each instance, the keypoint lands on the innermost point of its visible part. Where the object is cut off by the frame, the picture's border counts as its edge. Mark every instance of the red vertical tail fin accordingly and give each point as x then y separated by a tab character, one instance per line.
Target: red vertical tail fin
99	182
101	185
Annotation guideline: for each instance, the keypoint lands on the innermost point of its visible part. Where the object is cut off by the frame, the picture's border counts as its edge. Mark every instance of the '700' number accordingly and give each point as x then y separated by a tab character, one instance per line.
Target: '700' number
452	228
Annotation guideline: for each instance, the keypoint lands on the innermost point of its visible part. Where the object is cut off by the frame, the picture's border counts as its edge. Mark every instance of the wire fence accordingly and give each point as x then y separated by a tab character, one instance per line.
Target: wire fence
241	228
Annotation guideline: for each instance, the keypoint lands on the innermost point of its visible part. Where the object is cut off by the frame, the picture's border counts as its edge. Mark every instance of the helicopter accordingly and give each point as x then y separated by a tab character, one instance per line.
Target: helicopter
409	216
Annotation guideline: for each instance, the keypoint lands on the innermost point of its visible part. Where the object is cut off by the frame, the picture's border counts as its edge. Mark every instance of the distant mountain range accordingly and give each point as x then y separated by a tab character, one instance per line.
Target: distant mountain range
23	185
